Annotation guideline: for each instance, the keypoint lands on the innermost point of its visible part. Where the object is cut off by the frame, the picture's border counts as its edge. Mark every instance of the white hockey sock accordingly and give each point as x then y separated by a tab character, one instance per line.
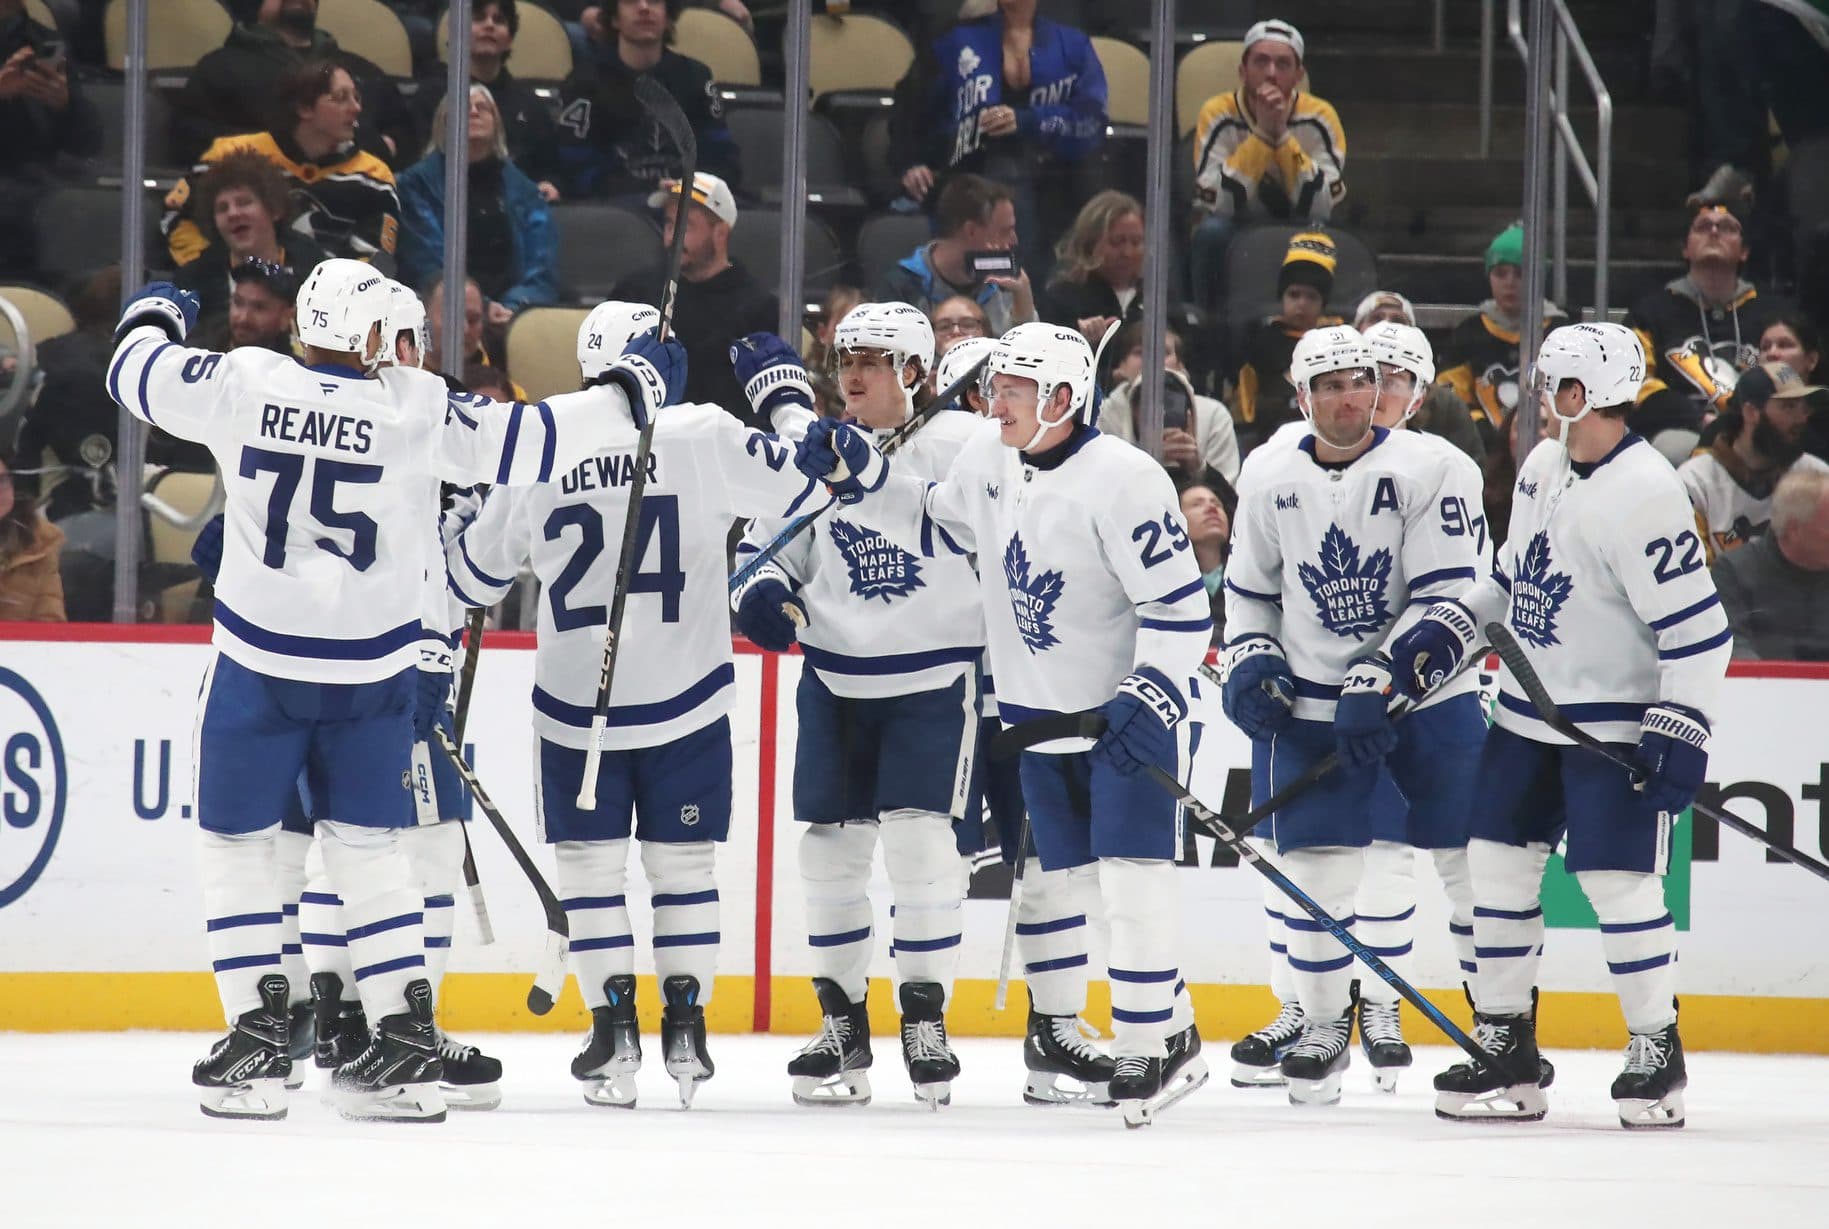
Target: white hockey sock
592	879
437	854
241	914
320	915
1051	934
684	879
1640	939
1457	883
1319	964
1143	903
835	870
1384	915
383	912
1507	923
289	850
925	920
1276	932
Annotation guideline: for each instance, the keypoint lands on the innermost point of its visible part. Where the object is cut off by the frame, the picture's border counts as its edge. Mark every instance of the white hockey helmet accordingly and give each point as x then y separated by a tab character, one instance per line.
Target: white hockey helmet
960	358
1606	358
405	314
898	329
1051	355
1403	346
1337	347
340	303
611	326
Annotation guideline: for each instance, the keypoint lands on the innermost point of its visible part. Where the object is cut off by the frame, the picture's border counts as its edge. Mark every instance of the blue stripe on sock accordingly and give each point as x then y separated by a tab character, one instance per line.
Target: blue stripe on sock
1511	915
1308	925
695	940
291	949
241	919
1121	1016
441	902
1468	966
1389	953
1640	966
386	924
839	940
1281	949
317	940
1050	966
666	899
1501	953
1626	928
438	940
415	961
603	944
591	902
289	910
1455	928
924	945
320	898
1405	916
1320	966
1048	928
244	962
1143	976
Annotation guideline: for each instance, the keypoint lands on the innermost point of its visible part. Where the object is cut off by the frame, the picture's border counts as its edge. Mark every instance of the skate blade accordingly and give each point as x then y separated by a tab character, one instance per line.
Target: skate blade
1642	1115
1142	1112
1053	1088
1246	1076
688	1073
934	1095
395	1103
259	1100
296	1080
1519	1103
1324	1091
612	1092
469	1097
1384	1079
846	1088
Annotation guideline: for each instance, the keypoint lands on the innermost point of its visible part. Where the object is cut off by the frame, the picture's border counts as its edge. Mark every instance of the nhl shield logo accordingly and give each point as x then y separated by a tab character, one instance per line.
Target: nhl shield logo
1537	594
1348	594
689	814
877	567
1032	598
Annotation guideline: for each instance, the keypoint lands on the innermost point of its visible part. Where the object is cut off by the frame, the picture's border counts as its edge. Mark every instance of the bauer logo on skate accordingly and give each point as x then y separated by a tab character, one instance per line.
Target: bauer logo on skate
33	786
1348	594
878	567
1537	595
1031	598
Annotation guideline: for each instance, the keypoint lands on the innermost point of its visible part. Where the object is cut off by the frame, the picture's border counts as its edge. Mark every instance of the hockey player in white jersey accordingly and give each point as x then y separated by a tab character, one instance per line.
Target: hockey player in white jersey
888	724
330	470
1602	581
666	771
1333	540
1092	601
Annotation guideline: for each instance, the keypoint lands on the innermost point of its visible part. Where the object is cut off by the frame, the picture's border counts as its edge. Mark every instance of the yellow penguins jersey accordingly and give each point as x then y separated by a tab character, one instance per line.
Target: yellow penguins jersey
1733	505
1482	369
347	204
1238	172
1697	350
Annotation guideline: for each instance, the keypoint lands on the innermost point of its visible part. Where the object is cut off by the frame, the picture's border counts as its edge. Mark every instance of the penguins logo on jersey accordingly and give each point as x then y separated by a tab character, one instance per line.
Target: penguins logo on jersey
1537	594
1348	595
1032	598
878	567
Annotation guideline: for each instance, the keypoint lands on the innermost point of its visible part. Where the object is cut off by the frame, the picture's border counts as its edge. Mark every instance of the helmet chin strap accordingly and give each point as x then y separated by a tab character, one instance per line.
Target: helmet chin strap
1308	412
1043	424
1563	423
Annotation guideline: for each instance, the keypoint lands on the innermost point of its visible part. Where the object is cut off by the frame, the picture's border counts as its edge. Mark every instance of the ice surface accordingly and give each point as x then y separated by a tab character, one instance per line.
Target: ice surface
102	1129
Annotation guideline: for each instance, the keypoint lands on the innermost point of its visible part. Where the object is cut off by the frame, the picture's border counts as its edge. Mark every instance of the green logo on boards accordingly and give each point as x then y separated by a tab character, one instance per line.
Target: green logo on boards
1566	908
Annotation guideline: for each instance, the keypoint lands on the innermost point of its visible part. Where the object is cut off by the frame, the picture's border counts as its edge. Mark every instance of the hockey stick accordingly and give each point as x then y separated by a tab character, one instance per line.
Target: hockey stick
466	685
1009	926
1512	654
550	978
889	447
667	114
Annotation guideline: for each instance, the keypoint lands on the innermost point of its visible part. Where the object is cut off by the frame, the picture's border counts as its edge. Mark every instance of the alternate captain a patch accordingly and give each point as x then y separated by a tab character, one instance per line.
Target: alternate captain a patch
1032	597
877	567
1348	593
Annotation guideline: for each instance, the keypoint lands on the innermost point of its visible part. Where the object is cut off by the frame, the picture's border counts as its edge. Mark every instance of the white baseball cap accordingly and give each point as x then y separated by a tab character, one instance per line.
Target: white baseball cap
707	190
1274	31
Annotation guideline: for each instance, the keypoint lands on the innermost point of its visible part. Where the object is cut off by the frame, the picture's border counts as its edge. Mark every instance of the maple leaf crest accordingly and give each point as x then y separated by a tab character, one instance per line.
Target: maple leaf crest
877	566
1032	598
1537	594
1348	595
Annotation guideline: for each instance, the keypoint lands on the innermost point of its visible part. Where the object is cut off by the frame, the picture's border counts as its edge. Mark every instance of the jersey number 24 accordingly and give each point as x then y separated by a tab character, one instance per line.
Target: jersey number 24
660	518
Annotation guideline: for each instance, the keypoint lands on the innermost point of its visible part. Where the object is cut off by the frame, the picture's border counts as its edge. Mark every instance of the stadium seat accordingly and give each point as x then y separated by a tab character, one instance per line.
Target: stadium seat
856	52
756	242
543	349
1126	81
1209	69
602	245
886	238
1256	254
187	494
44	313
79	229
720	44
370	29
108	96
542	50
178	34
36	10
759	137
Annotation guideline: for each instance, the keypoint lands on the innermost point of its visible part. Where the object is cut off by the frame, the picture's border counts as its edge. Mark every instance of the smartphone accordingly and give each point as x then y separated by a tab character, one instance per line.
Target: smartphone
50	53
1176	408
991	264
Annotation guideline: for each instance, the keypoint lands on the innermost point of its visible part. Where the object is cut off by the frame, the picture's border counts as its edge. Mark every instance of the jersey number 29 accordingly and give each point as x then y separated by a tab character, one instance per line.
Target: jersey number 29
660	518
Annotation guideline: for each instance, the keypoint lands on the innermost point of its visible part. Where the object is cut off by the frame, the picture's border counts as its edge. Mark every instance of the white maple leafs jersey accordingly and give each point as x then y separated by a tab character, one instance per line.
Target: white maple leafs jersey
1331	562
882	619
1728	513
1603	581
674	672
331	480
1085	568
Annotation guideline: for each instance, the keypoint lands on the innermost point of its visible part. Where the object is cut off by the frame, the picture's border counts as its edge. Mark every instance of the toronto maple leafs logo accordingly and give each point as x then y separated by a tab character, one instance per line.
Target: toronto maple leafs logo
878	567
968	61
1032	598
1537	594
1348	594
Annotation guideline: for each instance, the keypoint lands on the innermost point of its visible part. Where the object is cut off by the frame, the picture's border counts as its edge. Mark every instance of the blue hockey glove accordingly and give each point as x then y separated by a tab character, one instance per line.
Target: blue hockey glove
163	306
206	551
1260	691
1140	723
771	373
1673	755
843	458
429	692
1426	655
651	372
1363	733
769	613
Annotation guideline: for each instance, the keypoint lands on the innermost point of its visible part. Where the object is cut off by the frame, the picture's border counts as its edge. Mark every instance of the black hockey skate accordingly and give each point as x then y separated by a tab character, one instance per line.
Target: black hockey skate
1649	1092
612	1054
1056	1049
472	1080
396	1079
1144	1087
1315	1063
1546	1070
1469	1092
682	1036
932	1065
830	1069
341	1026
245	1074
1257	1058
304	1036
1381	1037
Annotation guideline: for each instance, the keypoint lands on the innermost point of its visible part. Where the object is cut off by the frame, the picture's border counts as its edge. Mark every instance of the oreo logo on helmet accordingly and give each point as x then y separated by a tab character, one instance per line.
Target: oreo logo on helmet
34	786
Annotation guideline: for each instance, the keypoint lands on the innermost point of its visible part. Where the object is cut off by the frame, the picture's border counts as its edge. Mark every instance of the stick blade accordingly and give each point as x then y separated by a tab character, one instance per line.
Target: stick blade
665	108
1506	645
550	979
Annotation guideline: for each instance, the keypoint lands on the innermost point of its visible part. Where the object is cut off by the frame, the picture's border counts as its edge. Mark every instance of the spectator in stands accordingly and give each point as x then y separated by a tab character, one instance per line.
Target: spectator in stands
476	351
972	214
1776	591
1480	361
31	584
1210	532
1199	442
231	90
1011	96
1264	399
342	197
609	146
1792	339
242	207
719	300
71	425
1265	151
1730	483
512	247
957	318
261	309
489	381
1098	268
839	300
43	113
1442	411
527	124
